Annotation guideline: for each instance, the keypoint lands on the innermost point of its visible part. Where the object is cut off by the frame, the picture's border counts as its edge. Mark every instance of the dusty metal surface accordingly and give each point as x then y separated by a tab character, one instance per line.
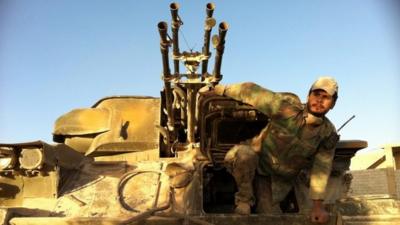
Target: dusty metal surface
205	220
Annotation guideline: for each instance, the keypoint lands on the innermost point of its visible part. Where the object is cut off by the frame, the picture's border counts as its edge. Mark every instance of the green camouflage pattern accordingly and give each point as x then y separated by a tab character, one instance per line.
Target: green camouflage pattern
288	144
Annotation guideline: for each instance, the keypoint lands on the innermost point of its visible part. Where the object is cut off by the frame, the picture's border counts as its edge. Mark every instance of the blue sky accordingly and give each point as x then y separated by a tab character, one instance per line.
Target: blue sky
56	56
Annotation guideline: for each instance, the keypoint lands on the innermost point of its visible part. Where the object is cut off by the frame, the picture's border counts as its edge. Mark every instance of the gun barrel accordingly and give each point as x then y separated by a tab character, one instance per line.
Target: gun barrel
164	44
223	28
176	22
207	33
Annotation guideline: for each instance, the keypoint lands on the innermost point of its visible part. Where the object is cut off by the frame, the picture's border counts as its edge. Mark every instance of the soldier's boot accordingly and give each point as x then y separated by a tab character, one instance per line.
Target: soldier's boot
243	208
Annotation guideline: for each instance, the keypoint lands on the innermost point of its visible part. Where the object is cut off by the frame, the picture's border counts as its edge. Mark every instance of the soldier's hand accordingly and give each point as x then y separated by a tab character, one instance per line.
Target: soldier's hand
318	213
219	89
205	89
216	90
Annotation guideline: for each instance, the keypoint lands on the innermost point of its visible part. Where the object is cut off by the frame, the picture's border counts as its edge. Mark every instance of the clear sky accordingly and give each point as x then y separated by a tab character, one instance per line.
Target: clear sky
56	56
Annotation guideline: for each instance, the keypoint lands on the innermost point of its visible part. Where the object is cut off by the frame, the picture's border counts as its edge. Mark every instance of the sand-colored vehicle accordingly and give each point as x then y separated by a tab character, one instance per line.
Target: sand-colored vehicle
146	160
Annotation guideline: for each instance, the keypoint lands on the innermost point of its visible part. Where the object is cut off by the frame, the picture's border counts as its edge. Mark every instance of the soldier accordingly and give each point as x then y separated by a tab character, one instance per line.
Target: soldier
298	136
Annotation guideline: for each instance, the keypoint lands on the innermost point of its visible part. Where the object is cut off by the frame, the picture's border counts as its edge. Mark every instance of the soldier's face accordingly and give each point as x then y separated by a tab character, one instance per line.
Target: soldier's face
319	102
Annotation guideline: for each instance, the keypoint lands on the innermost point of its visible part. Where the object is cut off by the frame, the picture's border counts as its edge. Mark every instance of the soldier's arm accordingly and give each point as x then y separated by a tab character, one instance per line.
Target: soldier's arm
261	98
322	168
318	182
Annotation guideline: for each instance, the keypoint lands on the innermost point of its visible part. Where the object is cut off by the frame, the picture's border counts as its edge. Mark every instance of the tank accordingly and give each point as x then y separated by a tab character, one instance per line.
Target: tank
156	160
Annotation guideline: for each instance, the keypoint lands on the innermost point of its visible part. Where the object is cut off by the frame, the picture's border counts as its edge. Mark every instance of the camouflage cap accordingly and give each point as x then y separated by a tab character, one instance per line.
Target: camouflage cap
327	84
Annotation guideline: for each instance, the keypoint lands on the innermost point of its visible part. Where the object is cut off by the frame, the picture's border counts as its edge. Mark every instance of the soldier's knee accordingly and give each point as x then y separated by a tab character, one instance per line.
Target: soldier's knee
246	154
240	154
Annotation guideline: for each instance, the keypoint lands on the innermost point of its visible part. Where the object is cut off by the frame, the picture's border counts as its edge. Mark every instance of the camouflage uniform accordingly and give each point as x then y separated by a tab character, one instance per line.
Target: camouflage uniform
284	147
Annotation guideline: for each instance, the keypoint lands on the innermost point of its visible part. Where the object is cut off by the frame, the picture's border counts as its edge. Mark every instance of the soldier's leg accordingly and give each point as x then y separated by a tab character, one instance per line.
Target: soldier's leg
262	188
263	193
241	161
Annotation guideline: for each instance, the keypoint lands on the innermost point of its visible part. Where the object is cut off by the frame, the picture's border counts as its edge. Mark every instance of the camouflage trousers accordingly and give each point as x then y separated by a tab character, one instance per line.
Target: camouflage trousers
241	161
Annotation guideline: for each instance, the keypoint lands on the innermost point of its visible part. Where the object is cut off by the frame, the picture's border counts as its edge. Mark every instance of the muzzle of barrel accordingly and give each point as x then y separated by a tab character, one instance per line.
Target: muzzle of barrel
210	9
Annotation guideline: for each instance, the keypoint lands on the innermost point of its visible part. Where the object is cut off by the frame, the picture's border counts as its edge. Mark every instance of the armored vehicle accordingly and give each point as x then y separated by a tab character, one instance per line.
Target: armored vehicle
148	160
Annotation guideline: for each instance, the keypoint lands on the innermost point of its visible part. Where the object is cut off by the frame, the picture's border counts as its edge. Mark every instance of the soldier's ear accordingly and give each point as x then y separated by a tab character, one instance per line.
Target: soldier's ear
333	103
335	97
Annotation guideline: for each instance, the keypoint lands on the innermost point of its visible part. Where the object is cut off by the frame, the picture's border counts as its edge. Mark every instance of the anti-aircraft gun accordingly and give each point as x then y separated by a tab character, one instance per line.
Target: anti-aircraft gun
208	124
146	160
180	100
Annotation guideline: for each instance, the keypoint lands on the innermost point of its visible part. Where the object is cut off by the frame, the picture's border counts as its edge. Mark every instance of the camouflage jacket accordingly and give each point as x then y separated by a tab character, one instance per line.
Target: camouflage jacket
287	144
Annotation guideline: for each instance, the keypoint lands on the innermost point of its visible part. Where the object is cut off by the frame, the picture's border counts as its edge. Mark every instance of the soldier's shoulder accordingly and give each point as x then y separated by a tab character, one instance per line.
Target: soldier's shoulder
330	134
330	127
